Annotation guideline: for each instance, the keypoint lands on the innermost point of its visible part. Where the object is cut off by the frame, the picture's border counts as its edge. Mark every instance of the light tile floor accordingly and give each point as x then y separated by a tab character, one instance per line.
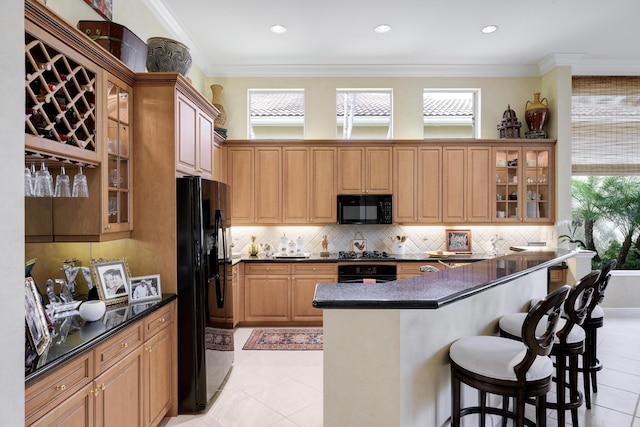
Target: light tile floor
284	388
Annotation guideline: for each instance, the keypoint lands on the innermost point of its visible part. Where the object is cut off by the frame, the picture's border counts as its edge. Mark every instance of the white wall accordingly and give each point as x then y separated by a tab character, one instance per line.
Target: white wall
12	214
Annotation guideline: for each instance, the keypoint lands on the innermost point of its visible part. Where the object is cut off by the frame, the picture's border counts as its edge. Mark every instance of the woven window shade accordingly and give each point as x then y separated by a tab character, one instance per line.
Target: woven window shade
605	124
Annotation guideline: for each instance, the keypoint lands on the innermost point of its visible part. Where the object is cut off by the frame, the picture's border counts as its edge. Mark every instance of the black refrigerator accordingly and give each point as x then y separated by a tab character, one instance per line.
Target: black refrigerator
205	350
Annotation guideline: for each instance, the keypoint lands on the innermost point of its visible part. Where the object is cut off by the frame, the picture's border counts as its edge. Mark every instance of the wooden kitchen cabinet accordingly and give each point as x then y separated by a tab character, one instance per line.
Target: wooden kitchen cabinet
524	184
118	393
282	293
255	174
78	115
75	411
304	278
365	170
417	188
194	138
267	289
127	380
466	187
405	270
309	185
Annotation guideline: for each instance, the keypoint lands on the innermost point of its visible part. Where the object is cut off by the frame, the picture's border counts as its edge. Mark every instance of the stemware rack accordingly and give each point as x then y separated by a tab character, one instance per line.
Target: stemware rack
54	161
60	97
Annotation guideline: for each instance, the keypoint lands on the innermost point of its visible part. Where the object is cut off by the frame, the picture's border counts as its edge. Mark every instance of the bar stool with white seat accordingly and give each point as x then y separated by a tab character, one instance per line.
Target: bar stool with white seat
505	367
569	344
595	319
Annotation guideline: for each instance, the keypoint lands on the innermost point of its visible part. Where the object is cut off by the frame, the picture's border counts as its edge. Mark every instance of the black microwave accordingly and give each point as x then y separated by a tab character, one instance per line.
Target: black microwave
365	209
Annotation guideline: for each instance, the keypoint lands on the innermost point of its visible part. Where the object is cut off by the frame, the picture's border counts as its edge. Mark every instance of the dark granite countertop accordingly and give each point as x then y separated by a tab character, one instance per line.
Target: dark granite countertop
434	290
333	257
81	335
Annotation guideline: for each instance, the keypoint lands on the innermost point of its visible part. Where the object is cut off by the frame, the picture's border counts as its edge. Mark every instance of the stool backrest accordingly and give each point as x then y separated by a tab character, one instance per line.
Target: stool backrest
577	305
603	281
547	309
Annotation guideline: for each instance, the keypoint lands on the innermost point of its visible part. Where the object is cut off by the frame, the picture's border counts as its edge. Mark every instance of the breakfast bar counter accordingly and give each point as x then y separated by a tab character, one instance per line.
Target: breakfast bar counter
386	344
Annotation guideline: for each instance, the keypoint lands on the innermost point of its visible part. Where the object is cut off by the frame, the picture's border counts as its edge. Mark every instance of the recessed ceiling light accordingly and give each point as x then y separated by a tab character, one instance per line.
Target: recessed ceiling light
381	29
278	29
489	29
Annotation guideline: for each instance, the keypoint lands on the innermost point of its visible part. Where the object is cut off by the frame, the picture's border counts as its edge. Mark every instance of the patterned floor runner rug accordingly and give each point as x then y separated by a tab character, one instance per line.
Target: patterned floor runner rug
219	339
285	339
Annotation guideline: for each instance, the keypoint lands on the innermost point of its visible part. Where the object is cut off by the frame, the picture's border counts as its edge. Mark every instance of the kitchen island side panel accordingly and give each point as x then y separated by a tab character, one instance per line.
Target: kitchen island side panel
390	367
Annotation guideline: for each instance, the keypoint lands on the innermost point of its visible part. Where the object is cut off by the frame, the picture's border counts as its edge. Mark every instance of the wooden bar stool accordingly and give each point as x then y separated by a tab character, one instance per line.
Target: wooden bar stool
508	368
595	319
569	344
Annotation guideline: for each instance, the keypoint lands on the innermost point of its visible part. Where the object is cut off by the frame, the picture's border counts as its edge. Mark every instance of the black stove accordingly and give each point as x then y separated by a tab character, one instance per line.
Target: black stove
364	255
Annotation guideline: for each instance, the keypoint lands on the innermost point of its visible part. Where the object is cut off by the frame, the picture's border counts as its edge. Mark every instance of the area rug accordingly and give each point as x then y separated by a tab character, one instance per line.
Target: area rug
218	339
285	339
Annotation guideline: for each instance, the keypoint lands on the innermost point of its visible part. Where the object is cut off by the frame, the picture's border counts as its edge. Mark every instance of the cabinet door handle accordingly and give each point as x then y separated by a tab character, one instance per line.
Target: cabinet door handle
124	345
61	387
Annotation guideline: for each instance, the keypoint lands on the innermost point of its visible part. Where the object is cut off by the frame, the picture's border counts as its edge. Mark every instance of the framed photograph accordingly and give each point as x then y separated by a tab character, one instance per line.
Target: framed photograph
35	321
115	317
103	7
458	241
112	280
144	288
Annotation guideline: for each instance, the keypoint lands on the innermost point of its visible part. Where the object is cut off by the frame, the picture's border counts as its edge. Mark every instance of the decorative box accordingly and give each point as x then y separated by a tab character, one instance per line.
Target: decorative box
118	40
509	127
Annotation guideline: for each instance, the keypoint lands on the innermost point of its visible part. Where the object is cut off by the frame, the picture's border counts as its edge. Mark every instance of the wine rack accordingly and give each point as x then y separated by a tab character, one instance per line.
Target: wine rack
60	97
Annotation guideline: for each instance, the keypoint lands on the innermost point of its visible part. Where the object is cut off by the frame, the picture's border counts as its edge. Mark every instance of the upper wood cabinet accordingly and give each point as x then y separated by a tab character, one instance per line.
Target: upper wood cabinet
78	100
417	184
363	170
309	185
524	184
194	138
255	175
466	191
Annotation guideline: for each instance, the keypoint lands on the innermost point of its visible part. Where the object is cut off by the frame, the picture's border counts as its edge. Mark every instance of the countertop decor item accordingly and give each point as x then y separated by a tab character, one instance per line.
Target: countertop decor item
253	248
459	241
509	127
93	310
359	243
536	115
325	246
118	40
167	55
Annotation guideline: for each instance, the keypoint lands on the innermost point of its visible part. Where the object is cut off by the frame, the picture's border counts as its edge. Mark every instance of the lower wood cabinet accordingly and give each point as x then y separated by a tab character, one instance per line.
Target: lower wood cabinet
411	269
127	380
282	293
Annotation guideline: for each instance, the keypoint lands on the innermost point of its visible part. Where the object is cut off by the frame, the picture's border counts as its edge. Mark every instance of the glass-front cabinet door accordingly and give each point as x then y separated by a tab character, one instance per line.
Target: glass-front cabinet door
118	165
523	184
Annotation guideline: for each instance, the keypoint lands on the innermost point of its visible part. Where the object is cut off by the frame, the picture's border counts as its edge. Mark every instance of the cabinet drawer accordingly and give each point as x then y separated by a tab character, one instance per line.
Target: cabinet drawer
49	391
267	268
313	269
117	347
158	320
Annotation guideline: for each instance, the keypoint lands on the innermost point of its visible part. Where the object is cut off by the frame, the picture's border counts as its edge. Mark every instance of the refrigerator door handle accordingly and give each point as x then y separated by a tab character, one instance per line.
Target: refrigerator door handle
220	287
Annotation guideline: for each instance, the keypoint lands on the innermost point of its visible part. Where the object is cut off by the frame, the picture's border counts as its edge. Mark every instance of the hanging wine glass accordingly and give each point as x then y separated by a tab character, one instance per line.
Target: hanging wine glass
28	182
63	187
80	188
44	183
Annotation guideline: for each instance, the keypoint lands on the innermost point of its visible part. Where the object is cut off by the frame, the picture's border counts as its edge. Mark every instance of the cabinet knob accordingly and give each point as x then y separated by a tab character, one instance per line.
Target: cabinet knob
61	387
124	345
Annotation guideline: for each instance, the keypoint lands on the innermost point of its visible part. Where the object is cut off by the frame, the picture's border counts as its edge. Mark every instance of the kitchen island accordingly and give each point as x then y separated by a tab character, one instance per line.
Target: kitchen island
386	344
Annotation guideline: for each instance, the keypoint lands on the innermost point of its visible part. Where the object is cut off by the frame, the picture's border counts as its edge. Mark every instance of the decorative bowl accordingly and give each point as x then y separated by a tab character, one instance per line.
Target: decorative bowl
92	310
166	55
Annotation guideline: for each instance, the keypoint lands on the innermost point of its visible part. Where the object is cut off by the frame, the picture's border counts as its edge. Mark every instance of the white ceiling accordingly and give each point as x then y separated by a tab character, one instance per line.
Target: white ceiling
429	37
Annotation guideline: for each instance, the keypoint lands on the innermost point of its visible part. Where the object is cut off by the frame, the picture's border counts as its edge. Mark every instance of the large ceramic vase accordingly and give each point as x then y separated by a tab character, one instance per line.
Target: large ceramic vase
536	113
166	55
222	117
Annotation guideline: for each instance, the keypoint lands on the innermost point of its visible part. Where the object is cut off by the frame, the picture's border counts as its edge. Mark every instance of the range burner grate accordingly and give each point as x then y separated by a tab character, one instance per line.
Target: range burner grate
363	255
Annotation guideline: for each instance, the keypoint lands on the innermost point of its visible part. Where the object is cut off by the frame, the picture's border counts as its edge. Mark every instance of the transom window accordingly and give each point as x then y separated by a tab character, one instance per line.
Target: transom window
363	113
450	113
276	113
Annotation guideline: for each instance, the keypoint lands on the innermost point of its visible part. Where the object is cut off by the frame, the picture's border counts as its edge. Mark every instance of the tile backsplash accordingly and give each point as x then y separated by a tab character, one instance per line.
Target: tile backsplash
419	239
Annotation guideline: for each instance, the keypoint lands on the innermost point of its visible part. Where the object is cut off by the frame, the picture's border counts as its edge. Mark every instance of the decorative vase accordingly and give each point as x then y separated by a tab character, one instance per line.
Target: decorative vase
166	55
222	117
253	247
536	114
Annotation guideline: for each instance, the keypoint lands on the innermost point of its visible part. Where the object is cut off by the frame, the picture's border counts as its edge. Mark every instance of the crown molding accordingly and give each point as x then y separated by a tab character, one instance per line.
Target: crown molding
371	70
607	68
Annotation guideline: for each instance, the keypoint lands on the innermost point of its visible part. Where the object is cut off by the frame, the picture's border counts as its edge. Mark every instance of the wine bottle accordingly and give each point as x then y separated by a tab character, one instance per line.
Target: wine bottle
41	67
